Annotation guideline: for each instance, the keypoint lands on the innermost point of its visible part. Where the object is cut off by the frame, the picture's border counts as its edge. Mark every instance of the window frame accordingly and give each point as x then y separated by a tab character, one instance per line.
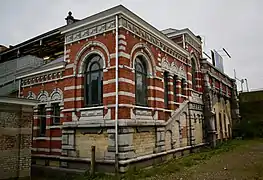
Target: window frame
175	86
142	62
183	85
91	61
54	118
42	120
193	74
166	89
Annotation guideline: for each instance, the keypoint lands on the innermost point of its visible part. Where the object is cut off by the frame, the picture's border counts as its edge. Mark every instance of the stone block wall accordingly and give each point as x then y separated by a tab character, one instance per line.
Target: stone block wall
144	143
84	142
15	139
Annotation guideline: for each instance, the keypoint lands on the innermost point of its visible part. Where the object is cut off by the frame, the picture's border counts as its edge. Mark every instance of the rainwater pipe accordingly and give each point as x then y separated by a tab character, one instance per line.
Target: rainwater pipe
117	94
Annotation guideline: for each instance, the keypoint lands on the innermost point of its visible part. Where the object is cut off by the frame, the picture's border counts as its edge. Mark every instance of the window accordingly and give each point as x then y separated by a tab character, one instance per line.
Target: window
42	120
140	81
183	86
193	74
166	89
94	81
56	113
175	78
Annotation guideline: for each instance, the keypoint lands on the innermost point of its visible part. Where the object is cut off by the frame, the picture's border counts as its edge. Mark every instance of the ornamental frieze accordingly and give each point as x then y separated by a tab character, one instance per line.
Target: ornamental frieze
152	39
173	68
41	79
91	31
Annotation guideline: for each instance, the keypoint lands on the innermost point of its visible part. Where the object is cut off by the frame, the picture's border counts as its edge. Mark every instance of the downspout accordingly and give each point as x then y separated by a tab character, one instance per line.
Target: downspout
19	88
117	95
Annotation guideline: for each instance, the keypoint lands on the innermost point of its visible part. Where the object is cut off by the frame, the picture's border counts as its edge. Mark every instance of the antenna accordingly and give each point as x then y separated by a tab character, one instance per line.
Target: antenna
226	53
207	55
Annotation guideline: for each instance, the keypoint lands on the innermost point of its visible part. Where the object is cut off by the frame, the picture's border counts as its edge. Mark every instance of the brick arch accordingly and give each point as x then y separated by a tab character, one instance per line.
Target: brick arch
83	62
43	96
145	51
197	64
57	94
100	51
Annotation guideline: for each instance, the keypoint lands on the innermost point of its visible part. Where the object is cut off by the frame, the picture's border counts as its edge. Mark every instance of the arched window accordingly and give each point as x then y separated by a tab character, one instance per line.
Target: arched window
193	74
140	81
175	87
183	87
166	89
94	80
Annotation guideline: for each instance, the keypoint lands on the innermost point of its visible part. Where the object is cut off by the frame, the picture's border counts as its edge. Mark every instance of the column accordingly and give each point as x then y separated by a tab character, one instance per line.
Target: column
171	92
178	90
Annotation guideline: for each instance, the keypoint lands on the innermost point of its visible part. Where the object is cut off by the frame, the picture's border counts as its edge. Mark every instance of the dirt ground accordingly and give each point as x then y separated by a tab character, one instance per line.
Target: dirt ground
243	163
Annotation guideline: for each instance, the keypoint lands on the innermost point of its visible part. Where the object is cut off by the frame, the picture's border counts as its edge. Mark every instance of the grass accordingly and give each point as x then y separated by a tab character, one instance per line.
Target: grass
174	165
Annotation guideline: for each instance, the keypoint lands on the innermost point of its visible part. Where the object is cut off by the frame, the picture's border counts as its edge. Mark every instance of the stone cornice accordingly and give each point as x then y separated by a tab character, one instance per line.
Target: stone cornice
104	21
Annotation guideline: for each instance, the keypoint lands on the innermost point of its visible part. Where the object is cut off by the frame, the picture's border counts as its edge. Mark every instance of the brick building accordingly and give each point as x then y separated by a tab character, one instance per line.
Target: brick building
166	98
16	116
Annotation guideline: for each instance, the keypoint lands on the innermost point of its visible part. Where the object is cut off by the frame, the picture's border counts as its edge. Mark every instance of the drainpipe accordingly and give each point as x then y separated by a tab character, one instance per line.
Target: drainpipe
19	88
117	96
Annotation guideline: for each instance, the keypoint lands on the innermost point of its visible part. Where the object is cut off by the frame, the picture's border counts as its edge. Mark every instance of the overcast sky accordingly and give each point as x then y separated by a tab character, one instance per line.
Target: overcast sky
236	25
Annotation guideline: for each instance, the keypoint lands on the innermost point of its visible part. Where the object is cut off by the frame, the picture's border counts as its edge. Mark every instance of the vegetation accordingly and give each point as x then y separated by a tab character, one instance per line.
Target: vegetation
172	166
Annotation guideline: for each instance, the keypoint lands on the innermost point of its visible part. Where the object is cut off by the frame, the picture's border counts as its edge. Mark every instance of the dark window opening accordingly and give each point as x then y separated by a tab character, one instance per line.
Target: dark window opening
56	113
183	86
193	74
175	79
42	120
140	81
94	81
166	89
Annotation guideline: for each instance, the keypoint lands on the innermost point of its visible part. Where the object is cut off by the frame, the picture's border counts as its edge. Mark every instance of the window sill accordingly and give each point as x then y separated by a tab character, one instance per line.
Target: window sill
143	107
91	108
40	138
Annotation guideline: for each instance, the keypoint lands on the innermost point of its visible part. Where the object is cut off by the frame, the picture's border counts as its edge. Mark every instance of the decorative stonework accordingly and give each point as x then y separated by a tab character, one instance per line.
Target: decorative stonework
180	72
31	95
43	96
91	114
142	33
88	32
57	94
40	79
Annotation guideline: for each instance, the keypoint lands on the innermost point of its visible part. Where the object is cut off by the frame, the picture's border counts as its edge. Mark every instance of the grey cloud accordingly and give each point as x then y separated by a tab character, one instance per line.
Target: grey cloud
236	25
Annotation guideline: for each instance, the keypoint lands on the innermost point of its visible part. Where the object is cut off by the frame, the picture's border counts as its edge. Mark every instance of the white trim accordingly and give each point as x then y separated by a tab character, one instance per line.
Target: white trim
69	66
46	150
155	99
73	99
90	108
109	94
170	83
68	76
121	47
121	54
110	81
190	74
170	92
121	36
48	138
39	72
155	88
68	110
123	42
73	87
122	93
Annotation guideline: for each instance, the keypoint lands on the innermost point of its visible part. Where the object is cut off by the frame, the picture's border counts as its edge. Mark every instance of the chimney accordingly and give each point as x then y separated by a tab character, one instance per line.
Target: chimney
70	19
